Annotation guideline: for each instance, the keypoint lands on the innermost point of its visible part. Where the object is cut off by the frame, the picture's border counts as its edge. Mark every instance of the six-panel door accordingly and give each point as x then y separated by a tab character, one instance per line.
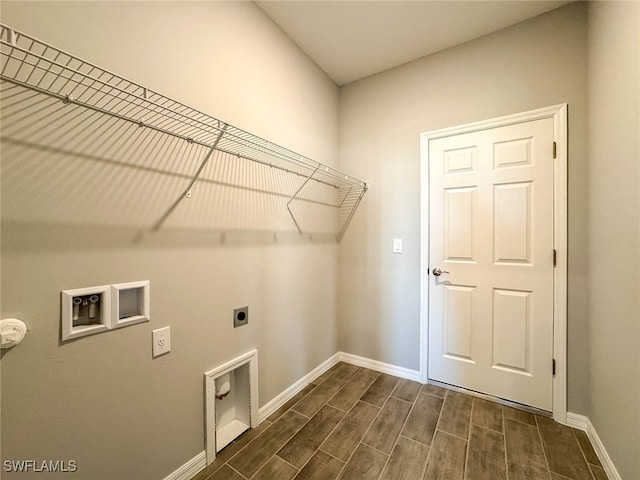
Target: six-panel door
491	228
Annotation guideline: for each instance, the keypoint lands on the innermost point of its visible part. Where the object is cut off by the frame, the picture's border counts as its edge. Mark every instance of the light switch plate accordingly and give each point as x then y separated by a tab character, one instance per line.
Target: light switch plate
397	245
161	338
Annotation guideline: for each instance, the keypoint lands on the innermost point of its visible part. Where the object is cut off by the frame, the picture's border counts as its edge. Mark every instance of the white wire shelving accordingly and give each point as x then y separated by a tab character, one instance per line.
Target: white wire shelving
33	74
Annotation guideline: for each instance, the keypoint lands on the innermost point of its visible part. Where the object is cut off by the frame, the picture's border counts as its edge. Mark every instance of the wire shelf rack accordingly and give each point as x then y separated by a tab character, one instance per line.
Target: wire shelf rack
33	74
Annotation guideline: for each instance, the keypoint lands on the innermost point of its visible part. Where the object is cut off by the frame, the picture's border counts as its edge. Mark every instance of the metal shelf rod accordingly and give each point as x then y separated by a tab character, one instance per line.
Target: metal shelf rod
148	105
105	111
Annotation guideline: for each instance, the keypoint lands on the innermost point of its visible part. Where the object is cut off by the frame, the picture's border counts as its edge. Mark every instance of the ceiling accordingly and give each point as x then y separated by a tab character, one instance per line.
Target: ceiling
351	40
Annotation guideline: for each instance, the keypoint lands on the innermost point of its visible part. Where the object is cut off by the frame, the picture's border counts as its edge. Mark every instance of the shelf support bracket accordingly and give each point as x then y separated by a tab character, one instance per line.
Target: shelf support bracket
187	191
353	211
296	194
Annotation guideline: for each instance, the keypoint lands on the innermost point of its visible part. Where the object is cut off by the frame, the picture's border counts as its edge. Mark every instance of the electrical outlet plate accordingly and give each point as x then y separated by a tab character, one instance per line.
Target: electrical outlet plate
161	339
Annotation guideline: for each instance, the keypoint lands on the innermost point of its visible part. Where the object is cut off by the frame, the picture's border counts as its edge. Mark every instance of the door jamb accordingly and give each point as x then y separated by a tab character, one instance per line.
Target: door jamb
559	115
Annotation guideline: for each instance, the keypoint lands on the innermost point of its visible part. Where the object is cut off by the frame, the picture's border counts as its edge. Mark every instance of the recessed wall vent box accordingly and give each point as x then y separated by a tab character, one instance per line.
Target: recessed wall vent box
231	393
130	303
85	311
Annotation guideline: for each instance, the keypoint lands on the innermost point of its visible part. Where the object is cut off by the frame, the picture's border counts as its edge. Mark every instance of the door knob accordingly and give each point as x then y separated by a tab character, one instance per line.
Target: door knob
437	272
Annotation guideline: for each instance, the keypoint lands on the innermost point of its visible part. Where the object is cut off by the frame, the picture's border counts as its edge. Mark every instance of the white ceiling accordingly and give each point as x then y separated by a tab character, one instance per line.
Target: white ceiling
350	40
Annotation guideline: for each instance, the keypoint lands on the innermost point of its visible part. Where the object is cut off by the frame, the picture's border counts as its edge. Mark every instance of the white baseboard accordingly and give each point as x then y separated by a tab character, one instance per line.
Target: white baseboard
583	423
291	391
189	469
575	420
197	463
380	366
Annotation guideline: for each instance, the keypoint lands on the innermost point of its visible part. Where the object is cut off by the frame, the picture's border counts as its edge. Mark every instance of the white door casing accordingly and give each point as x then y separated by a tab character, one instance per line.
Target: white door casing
493	211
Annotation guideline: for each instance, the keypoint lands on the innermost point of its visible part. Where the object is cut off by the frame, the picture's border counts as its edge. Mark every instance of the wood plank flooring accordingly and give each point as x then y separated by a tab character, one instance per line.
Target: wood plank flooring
352	423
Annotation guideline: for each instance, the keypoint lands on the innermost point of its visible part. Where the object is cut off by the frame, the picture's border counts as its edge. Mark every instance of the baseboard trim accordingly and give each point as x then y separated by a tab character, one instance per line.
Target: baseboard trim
380	366
576	420
583	423
197	463
291	391
189	469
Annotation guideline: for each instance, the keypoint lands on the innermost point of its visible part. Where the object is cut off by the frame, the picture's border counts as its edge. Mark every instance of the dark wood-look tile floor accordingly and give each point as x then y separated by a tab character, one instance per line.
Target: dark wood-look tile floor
352	423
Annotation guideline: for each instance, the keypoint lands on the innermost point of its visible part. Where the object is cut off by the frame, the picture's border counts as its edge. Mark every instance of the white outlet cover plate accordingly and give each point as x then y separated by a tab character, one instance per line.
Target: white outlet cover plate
161	339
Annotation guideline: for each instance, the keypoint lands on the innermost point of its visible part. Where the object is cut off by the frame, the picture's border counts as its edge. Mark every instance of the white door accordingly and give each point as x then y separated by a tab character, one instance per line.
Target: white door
491	233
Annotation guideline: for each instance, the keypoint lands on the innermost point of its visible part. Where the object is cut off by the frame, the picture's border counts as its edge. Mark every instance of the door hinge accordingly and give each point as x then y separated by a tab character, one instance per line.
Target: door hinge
553	366
555	149
555	257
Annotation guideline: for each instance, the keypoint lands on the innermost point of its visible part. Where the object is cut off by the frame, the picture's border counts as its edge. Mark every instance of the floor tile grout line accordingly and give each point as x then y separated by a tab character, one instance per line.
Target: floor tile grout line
452	435
504	429
317	385
336	426
365	433
486	428
521	422
544	450
284	443
239	473
435	430
584	456
404	423
376	417
466	456
430	394
369	403
300	413
501	407
440	415
414	440
288	463
231	444
328	435
319	449
546	463
357	400
314	452
467	462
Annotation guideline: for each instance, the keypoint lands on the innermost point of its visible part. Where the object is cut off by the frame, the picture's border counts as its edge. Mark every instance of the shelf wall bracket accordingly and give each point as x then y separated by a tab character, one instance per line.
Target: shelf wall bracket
351	213
295	195
187	191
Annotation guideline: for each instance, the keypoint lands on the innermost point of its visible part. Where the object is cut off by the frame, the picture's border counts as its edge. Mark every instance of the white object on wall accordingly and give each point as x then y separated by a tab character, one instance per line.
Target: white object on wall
236	382
161	338
223	386
86	311
397	245
12	331
130	303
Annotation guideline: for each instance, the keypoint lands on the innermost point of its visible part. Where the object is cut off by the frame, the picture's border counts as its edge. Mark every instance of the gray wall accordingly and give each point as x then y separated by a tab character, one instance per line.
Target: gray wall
100	397
102	400
614	229
534	64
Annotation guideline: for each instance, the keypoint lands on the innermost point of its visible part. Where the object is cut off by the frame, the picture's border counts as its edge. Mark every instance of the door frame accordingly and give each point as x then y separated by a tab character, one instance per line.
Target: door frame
559	115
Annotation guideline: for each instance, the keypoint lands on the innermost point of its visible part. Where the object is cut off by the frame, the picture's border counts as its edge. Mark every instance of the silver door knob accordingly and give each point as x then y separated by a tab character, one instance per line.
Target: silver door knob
437	272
